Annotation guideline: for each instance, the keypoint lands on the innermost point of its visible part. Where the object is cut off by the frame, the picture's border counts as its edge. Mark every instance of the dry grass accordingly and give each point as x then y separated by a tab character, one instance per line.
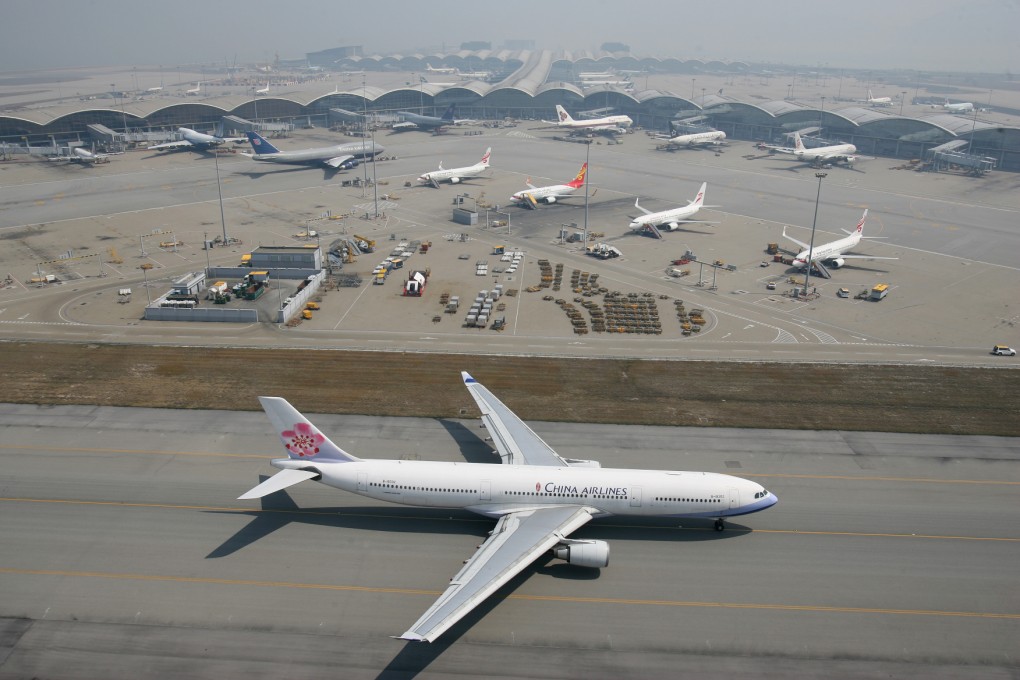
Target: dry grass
923	399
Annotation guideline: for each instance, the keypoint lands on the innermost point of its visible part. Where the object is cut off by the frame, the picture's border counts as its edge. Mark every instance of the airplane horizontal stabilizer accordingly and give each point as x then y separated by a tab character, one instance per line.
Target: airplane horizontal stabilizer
281	480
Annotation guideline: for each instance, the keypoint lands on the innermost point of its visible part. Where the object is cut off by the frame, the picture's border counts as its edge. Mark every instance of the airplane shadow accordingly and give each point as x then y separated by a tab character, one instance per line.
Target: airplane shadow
327	173
472	446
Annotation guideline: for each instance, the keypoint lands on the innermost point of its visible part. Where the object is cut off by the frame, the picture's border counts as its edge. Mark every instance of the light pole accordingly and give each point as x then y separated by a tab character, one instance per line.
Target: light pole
421	94
692	88
903	98
255	101
814	221
364	129
219	191
587	175
821	111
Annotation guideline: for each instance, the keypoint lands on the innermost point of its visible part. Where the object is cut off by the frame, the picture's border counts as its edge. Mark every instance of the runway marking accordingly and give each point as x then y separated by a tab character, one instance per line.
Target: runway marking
213	454
534	598
922	480
321	513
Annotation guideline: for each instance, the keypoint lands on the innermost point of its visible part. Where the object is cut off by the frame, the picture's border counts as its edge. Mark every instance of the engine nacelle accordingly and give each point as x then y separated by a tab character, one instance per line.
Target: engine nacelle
671	226
591	554
550	199
455	180
836	263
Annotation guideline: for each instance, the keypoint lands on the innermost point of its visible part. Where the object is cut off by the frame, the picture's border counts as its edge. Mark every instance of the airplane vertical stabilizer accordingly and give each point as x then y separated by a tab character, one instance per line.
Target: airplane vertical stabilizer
260	144
300	437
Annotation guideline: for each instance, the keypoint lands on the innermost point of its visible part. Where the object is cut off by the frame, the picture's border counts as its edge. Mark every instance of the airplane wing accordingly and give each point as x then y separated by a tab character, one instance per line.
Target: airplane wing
516	443
171	145
803	245
518	540
865	257
337	161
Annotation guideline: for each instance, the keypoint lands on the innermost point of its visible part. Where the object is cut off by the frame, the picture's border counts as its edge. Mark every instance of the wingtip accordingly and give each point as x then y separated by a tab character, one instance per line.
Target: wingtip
466	377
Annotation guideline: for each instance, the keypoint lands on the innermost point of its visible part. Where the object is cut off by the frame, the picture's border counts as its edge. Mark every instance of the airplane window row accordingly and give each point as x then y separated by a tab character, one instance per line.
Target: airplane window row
690	500
420	488
542	493
761	494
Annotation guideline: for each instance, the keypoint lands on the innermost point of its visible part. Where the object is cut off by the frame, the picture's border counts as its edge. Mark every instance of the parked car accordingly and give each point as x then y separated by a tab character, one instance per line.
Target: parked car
1003	351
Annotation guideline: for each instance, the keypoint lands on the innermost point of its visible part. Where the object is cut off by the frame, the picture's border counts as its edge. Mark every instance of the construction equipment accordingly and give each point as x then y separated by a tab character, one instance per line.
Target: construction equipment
365	244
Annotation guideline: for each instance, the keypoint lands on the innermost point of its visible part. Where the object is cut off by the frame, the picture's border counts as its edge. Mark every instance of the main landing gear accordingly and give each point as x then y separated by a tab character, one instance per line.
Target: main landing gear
719	526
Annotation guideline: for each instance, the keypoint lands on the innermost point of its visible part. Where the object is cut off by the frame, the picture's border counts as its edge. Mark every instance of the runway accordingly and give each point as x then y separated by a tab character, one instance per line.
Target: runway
124	552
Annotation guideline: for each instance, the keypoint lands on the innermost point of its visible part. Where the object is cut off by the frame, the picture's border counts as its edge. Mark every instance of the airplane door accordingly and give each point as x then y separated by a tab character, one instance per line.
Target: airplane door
362	481
734	498
484	491
635	497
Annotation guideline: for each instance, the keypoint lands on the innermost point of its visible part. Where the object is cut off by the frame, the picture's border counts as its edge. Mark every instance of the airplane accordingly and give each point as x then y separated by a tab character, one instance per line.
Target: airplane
671	219
263	90
695	138
191	139
820	154
85	157
340	156
416	121
537	497
608	123
879	101
474	75
457	175
153	90
962	107
195	90
441	70
551	194
833	253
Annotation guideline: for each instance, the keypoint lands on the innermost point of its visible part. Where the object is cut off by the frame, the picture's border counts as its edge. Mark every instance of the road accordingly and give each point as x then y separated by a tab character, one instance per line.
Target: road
125	554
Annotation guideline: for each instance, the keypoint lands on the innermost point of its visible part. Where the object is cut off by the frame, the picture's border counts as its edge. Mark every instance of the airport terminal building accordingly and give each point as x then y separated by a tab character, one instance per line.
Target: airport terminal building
524	84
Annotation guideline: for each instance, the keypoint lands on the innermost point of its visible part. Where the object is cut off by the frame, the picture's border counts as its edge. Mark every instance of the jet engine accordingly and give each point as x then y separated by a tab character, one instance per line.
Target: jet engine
550	199
455	180
672	226
591	554
837	262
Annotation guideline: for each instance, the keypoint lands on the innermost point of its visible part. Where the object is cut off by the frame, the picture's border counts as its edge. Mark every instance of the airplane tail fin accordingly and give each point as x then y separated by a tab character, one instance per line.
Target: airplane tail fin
699	200
579	180
870	96
562	114
300	437
798	143
860	225
449	114
260	144
486	157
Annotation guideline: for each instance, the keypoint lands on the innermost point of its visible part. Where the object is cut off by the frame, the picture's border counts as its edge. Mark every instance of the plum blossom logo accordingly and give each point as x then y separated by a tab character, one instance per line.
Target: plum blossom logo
303	441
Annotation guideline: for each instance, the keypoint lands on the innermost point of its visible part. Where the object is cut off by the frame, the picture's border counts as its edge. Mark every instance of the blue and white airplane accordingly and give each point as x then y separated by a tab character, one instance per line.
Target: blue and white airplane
537	497
338	156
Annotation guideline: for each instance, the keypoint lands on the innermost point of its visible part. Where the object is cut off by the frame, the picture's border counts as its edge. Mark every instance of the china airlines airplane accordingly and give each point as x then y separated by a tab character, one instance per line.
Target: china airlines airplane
536	497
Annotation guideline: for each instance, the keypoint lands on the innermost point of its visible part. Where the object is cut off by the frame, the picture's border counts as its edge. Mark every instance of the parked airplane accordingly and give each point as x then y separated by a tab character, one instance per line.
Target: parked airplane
443	70
416	121
190	139
879	101
962	107
474	75
551	194
457	175
695	138
339	156
820	154
85	157
537	497
611	123
154	90
833	254
263	90
671	219
195	90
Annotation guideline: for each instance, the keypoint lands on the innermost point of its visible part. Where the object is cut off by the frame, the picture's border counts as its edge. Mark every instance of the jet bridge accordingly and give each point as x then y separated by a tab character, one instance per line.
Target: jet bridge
949	157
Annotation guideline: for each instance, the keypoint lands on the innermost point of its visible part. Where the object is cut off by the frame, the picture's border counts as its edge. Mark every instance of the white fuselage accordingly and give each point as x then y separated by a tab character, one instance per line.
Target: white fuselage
546	193
825	152
827	251
494	490
453	175
960	108
598	123
696	138
665	217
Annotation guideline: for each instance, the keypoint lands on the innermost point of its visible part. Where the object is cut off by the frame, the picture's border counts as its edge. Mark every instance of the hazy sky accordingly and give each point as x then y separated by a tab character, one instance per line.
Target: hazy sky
941	35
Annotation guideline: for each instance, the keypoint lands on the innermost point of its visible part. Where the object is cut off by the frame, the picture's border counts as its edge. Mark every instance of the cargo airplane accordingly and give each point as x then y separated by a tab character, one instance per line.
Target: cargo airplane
879	101
834	153
833	254
551	194
190	139
85	157
457	175
671	219
693	139
537	497
417	121
338	157
606	124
